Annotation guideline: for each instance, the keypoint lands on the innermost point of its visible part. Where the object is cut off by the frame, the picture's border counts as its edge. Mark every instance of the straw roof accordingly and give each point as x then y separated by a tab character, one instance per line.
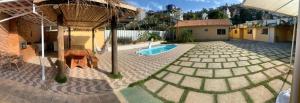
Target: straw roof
85	13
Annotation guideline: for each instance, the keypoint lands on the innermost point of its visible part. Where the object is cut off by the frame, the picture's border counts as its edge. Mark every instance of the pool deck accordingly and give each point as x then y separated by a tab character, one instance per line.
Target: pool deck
89	85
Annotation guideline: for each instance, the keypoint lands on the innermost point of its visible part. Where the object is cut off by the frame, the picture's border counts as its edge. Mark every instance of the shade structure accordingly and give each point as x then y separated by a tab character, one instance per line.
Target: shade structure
85	13
288	7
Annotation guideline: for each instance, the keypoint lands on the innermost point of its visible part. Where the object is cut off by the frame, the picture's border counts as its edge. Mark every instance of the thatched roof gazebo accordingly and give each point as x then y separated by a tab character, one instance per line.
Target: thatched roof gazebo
85	14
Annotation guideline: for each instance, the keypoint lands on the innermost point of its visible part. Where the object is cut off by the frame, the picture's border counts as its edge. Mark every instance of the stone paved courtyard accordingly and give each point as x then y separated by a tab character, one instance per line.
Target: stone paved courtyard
224	72
90	85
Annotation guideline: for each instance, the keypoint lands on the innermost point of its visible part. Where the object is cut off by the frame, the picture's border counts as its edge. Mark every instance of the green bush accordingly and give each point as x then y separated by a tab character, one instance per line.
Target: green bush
186	36
125	40
61	80
154	36
143	37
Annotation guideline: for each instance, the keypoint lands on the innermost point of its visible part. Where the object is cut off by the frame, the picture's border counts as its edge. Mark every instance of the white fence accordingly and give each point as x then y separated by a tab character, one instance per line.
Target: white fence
133	34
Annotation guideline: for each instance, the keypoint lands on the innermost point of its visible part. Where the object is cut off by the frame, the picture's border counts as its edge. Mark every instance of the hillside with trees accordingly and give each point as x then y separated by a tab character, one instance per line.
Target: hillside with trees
166	19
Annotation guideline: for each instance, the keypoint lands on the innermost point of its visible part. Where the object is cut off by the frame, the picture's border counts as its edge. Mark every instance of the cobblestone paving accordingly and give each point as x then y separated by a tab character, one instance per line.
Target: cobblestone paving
89	82
225	72
134	67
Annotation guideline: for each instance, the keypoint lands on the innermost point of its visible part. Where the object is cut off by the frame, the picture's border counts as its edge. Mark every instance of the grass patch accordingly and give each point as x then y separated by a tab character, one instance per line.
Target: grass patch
113	76
61	80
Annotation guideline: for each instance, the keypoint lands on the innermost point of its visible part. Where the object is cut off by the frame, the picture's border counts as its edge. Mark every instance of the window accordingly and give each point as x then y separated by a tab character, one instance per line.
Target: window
265	31
235	31
221	31
206	30
250	31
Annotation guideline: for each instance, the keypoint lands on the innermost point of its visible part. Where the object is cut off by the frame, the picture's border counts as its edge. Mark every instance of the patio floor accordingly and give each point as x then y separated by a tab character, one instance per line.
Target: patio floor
224	72
92	84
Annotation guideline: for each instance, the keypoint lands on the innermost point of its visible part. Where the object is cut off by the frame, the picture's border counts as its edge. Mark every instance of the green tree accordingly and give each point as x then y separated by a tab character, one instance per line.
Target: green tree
217	14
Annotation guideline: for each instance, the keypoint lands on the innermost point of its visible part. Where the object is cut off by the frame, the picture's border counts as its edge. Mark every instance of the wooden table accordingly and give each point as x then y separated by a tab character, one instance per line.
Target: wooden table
78	58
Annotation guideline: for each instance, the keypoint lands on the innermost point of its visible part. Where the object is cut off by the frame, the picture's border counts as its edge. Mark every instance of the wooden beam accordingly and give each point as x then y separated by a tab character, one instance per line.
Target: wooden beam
93	40
69	37
114	46
60	42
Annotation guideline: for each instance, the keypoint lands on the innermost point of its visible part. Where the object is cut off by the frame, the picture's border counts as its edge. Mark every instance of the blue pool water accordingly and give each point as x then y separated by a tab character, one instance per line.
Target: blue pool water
156	50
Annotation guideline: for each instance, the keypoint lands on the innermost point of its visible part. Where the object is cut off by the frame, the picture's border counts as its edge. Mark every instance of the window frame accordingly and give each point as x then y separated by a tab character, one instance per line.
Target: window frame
221	31
250	31
265	32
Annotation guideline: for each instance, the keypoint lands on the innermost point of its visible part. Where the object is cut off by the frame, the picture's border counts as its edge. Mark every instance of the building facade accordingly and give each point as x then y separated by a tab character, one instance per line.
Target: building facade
205	30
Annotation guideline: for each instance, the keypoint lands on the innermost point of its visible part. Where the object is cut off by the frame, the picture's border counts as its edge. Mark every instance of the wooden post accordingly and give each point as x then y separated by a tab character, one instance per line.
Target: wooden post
296	74
114	46
69	38
61	51
93	40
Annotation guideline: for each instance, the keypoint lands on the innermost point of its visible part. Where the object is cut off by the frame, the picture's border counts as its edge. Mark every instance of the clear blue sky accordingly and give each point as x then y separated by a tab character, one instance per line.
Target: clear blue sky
185	5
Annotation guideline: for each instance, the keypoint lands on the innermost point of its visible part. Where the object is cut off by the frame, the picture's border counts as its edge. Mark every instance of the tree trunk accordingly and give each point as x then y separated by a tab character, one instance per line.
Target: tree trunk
114	46
61	51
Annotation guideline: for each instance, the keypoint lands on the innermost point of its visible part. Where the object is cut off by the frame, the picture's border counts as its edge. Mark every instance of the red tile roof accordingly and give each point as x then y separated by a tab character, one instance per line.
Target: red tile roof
209	22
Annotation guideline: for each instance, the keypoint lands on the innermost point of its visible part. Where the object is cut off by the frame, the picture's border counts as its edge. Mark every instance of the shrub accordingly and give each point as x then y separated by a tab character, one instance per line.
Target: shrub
154	36
125	40
61	80
186	36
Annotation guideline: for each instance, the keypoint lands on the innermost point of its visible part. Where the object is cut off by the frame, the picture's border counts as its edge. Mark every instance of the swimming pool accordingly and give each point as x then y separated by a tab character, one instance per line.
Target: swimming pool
156	50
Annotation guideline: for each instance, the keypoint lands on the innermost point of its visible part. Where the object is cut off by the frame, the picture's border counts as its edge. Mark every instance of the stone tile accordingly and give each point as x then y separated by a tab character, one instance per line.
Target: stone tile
203	56
187	71
255	61
223	73
265	59
243	58
188	64
173	68
277	62
242	63
267	65
253	57
216	85
173	78
200	65
220	60
235	97
272	72
176	63
255	68
184	58
257	77
240	71
214	65
235	55
224	56
229	65
153	85
214	56
259	94
191	82
232	59
195	59
278	85
161	74
238	82
193	56
207	60
283	68
195	97
171	93
204	72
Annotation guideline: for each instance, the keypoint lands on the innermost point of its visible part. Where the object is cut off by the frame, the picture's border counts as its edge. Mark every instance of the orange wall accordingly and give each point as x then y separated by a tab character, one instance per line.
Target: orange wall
4	30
